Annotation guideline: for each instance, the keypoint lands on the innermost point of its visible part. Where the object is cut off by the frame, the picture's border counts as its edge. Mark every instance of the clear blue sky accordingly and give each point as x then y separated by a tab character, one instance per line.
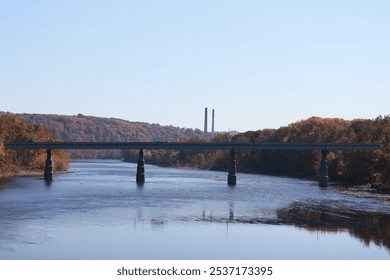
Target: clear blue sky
259	64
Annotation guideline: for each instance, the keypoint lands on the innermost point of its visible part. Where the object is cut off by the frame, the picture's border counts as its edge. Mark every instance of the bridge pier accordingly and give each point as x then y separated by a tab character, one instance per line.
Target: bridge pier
48	175
140	177
324	169
232	177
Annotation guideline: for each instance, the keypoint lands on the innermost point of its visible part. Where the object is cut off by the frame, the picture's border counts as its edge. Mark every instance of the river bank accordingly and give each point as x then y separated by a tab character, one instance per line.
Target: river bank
21	173
28	173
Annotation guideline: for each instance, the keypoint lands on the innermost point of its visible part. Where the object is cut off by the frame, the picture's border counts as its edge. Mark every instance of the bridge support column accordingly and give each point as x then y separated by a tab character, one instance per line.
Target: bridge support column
48	175
140	179
324	169
232	177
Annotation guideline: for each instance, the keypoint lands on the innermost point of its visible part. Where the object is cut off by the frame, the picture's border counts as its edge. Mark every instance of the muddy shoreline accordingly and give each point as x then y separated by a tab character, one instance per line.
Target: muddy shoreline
23	173
27	173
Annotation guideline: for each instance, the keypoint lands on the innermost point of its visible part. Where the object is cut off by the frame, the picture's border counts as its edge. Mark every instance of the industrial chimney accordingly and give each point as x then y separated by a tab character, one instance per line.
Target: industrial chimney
205	121
212	122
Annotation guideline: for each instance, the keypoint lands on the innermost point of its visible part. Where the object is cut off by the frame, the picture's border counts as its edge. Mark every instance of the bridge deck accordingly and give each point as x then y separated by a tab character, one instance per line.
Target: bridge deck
188	146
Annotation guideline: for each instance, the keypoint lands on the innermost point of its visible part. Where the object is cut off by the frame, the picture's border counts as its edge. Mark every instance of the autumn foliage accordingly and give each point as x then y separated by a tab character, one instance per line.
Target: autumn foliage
13	129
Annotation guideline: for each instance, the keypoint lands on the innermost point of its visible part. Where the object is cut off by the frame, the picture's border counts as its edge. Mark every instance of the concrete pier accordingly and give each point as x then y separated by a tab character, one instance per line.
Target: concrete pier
232	177
140	177
323	180
48	175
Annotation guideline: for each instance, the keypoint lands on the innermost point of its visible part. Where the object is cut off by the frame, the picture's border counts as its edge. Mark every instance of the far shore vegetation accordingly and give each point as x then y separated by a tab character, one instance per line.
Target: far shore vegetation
28	162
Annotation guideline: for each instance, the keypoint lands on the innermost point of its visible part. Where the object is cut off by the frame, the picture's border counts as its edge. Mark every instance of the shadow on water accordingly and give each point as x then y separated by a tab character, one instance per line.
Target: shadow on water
4	180
367	227
48	184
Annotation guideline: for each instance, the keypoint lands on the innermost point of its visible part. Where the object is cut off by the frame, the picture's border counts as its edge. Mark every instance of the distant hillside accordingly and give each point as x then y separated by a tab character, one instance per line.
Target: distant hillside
88	128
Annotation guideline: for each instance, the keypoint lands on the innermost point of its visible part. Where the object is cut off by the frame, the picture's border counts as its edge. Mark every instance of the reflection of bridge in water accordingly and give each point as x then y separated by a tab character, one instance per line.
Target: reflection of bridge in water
140	176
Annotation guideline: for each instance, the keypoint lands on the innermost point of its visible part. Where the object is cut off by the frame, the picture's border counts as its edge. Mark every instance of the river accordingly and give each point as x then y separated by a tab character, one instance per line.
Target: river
97	211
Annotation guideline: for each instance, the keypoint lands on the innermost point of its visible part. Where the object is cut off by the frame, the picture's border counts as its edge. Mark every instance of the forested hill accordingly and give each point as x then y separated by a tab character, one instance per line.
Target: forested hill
89	128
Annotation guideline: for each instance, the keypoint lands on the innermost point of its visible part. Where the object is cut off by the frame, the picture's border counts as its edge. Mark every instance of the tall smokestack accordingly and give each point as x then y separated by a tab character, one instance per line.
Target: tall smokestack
212	122
205	121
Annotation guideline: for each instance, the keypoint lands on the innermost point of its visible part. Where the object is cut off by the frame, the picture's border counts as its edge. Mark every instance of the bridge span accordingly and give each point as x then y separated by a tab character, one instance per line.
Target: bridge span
232	178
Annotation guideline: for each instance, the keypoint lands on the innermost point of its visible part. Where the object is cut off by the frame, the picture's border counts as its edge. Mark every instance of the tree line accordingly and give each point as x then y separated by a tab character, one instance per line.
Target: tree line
14	129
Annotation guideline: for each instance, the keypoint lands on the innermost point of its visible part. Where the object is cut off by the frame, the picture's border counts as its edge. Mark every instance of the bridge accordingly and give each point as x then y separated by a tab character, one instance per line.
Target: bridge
232	146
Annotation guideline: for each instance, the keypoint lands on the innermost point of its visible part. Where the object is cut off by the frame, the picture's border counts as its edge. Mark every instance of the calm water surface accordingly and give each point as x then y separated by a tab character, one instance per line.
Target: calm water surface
99	212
